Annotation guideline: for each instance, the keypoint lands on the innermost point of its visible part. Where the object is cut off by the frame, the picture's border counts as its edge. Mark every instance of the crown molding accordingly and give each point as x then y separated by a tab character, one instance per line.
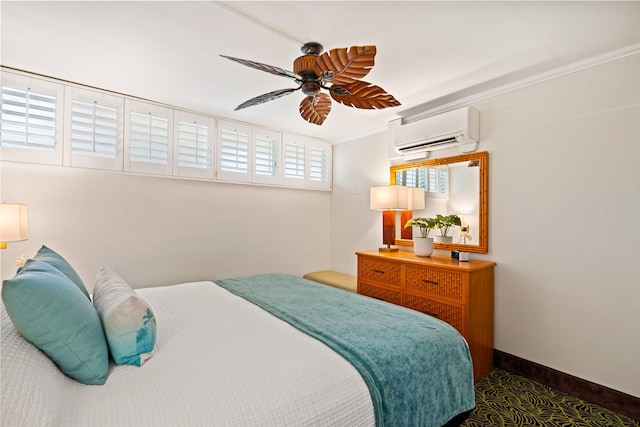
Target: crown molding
468	96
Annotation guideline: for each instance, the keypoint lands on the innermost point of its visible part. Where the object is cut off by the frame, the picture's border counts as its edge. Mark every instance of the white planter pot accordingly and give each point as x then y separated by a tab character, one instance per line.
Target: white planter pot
443	239
423	246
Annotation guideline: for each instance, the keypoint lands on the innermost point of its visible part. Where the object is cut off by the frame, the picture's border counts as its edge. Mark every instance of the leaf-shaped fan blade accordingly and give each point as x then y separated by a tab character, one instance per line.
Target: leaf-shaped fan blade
364	95
264	67
265	98
315	109
346	66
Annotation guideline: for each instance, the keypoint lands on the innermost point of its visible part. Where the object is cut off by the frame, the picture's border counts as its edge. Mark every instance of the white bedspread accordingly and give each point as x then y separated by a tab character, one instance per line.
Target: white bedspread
218	361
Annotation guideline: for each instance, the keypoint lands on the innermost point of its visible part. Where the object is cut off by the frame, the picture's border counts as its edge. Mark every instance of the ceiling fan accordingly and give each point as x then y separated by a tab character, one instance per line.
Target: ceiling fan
337	71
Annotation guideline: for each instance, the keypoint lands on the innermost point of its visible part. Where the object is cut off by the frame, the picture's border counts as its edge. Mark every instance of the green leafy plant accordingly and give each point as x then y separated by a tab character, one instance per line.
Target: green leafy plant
445	222
424	224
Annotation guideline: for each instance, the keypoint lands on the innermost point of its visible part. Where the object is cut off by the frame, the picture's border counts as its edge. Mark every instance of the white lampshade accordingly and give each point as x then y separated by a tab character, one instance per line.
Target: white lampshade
13	222
390	197
416	199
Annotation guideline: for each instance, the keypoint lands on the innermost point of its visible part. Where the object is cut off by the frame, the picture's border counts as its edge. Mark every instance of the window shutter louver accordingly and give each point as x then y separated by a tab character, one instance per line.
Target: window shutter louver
194	150
319	165
93	129
294	159
437	185
149	139
443	182
266	163
30	121
194	145
432	178
234	150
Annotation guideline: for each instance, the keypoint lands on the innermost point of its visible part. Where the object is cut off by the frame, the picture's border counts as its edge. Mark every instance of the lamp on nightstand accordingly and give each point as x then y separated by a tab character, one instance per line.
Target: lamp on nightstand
389	199
13	223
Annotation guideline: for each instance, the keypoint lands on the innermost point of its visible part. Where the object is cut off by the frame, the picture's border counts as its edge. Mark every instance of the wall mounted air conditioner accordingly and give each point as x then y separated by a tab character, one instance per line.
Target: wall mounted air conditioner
457	128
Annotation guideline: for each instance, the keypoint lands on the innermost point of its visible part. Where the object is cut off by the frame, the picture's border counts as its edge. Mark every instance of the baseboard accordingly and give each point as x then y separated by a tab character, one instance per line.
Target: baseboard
614	400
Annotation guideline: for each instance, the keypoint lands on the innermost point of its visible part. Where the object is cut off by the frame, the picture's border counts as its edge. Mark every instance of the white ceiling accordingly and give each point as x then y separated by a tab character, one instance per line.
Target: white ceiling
429	53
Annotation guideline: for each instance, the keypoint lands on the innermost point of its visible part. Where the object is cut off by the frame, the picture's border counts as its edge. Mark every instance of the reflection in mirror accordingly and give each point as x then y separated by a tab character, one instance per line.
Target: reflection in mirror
455	185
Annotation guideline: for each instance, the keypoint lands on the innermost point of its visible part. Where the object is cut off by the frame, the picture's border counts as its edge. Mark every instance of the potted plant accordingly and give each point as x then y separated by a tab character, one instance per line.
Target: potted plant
444	223
422	244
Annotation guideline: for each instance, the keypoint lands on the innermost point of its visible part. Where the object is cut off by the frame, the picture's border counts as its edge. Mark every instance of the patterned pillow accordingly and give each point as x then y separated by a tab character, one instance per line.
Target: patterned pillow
53	258
50	311
129	323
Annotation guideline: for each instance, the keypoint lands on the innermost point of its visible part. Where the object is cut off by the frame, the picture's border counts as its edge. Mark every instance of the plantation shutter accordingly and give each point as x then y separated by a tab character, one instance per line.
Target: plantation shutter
149	138
266	157
93	129
294	160
437	182
432	180
193	145
31	120
319	165
443	181
234	150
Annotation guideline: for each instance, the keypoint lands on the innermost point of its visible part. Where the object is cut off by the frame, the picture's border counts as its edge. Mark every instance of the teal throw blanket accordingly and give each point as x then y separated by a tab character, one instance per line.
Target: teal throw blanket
417	368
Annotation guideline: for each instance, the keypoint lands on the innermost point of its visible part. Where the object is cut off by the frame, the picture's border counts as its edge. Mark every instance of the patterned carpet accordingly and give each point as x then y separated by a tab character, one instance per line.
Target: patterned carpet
504	399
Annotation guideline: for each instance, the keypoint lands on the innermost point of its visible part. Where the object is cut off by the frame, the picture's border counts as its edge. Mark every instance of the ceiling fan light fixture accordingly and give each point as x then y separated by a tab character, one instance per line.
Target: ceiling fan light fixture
310	88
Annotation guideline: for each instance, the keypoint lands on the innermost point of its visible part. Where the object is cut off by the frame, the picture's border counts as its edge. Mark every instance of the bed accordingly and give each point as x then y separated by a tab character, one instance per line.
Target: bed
268	350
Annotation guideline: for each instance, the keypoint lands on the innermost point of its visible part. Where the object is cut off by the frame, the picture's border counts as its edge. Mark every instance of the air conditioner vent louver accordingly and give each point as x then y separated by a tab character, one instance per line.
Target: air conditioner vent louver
427	145
457	128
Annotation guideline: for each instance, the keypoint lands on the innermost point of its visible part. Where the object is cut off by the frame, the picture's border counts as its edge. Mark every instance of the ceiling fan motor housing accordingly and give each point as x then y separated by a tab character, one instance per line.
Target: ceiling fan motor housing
303	66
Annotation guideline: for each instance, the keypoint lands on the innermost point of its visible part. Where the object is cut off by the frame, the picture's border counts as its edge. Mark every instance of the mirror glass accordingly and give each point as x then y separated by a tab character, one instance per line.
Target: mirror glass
456	185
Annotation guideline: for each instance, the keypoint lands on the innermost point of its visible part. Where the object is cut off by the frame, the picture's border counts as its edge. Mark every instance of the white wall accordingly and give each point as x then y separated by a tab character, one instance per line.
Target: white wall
160	231
564	212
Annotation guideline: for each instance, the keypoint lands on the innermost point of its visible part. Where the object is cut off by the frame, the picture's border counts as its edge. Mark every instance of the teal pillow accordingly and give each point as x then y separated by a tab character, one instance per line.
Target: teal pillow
128	321
49	310
52	258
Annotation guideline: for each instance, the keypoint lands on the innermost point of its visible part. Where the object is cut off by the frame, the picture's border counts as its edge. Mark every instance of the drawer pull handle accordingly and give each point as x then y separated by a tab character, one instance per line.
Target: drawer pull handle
430	314
378	271
431	282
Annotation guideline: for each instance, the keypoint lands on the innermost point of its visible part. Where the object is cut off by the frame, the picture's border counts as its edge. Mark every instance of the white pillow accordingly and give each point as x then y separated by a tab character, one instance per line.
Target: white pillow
128	321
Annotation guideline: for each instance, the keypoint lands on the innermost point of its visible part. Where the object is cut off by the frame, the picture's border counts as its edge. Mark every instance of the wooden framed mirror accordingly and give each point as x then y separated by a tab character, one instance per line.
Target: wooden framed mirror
453	185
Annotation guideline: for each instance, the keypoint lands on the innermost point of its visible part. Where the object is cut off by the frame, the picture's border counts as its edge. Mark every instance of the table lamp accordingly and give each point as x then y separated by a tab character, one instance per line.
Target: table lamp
389	199
13	223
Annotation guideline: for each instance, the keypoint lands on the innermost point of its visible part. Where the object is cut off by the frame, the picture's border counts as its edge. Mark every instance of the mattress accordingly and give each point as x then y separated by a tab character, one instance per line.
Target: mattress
219	360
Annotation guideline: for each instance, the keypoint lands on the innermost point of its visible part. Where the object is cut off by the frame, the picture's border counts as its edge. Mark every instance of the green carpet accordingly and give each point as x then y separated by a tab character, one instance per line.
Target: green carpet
504	399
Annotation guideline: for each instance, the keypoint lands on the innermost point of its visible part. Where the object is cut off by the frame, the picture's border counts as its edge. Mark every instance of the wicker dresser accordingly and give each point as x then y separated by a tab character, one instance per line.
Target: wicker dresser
460	293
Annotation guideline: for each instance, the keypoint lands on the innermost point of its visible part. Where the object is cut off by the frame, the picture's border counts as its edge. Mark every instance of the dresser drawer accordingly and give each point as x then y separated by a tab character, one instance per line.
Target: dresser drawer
434	281
450	313
380	271
389	295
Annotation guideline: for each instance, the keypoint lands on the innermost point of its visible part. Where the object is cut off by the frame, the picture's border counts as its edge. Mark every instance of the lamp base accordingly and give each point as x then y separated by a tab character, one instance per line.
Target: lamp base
387	249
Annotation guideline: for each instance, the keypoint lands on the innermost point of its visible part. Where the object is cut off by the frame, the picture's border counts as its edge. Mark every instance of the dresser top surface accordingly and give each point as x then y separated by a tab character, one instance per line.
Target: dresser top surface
432	261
